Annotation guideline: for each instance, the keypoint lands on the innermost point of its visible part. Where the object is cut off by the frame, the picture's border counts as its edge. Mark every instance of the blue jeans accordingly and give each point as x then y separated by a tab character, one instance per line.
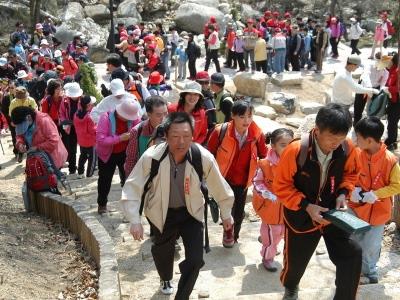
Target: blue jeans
279	60
370	243
305	60
165	59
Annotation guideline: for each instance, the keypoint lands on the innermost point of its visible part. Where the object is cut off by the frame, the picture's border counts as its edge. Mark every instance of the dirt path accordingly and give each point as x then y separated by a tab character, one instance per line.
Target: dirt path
38	259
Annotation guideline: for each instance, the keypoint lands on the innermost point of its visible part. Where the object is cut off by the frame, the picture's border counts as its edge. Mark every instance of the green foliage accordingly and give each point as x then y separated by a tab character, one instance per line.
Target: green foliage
88	81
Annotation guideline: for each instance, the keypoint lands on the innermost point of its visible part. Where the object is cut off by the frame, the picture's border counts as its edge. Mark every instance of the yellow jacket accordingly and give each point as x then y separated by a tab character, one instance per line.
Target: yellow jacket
22	102
260	50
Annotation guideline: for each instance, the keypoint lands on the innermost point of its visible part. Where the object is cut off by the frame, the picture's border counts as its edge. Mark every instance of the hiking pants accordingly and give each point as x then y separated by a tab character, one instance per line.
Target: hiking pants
271	235
87	154
249	54
261	66
71	144
192	67
231	57
343	252
353	45
182	69
393	116
106	173
212	55
240	193
240	61
279	60
334	45
179	223
359	104
294	61
320	58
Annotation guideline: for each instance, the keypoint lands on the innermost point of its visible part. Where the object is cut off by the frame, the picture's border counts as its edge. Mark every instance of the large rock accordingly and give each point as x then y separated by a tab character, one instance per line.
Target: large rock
266	112
128	9
287	79
192	17
97	12
249	84
266	125
283	103
248	12
126	21
73	13
225	8
294	122
309	108
307	124
209	3
98	54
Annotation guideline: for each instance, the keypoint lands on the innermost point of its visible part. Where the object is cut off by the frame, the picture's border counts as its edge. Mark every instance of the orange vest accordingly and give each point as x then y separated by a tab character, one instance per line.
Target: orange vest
134	91
225	153
269	212
375	174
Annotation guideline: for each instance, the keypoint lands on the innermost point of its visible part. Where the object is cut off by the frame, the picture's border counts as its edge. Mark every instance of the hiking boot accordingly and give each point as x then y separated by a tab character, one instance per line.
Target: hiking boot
228	241
269	265
166	287
368	280
20	157
102	209
291	294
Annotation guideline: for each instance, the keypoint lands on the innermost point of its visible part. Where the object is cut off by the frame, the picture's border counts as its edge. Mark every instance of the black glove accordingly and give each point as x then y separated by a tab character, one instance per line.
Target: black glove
104	91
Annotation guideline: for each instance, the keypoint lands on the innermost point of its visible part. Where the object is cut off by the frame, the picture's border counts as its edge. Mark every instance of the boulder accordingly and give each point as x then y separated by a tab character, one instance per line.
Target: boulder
266	125
97	12
287	79
249	84
209	3
283	103
128	9
307	124
225	8
328	96
98	54
309	108
126	21
266	112
230	87
368	24
73	13
192	17
248	12
294	122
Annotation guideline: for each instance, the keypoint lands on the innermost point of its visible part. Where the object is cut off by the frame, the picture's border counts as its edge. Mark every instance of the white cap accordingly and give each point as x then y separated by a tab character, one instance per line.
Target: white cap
117	87
44	42
22	74
3	61
73	90
129	109
57	53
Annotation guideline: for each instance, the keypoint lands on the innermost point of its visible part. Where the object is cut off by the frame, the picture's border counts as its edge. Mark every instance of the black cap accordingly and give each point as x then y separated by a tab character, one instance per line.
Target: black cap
218	78
119	73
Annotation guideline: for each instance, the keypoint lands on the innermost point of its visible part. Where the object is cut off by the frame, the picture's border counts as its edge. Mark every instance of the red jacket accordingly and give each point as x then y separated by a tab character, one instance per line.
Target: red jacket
393	84
153	62
85	129
200	122
51	107
70	66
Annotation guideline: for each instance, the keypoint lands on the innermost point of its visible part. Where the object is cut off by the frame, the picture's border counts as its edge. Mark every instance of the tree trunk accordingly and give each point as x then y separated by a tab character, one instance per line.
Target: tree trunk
332	7
34	6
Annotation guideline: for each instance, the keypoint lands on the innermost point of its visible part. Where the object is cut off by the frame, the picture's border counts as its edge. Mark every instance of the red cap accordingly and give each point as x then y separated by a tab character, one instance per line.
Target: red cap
202	76
148	37
267	13
213	19
155	78
250	21
151	47
287	14
277	29
275	14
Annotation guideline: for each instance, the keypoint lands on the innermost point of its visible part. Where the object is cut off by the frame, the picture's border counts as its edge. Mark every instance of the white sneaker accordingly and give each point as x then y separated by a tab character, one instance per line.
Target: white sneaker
166	287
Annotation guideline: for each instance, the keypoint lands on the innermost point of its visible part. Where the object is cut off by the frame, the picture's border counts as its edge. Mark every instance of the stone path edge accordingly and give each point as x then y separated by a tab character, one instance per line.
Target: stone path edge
75	217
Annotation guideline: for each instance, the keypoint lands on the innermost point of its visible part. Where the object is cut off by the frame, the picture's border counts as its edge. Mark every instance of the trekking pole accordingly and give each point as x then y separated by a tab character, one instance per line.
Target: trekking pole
2	149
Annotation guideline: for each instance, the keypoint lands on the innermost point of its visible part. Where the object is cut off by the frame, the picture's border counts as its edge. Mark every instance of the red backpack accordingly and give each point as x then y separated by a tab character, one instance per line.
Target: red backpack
41	173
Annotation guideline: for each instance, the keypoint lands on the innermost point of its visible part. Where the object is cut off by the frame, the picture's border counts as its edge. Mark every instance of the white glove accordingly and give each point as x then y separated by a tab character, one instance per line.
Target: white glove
268	195
355	195
375	91
385	89
369	197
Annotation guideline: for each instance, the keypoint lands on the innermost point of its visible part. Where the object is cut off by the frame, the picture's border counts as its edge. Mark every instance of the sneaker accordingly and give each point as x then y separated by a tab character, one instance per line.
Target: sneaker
259	239
368	280
20	157
228	241
80	176
102	209
166	287
269	265
291	294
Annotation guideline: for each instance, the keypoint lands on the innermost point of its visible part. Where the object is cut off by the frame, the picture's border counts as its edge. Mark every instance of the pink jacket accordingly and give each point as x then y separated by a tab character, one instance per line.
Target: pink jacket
47	138
64	115
379	34
105	140
85	130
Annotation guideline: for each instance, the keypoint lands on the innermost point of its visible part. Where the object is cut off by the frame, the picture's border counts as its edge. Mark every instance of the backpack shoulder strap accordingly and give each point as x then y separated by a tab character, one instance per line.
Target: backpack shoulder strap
196	160
222	133
155	164
304	147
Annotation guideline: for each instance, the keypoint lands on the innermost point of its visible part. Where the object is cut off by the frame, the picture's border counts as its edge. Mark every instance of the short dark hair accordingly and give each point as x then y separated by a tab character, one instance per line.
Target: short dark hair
114	59
154	101
52	86
274	136
19	114
177	118
370	127
240	107
335	118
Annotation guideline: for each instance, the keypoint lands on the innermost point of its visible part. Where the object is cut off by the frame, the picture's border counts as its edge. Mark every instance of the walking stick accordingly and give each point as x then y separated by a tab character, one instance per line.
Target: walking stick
2	149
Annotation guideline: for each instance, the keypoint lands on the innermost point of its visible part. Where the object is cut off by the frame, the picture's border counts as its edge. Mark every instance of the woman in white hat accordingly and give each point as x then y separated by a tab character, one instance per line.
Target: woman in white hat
68	108
355	33
112	137
191	102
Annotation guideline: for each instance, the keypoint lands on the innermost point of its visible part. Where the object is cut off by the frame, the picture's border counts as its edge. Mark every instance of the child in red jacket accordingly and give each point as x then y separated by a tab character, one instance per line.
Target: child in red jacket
86	135
265	202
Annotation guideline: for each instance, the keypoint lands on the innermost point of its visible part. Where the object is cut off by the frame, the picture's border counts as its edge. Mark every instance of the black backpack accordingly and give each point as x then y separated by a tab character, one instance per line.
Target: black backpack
196	162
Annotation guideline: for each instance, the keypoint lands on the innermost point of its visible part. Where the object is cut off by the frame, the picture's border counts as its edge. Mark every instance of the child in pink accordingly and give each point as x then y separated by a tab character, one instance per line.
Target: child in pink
265	202
86	135
379	37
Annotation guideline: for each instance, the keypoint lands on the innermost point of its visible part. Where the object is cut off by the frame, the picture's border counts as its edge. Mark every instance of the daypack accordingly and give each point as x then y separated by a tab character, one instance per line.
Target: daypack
41	173
196	162
136	90
378	105
343	29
